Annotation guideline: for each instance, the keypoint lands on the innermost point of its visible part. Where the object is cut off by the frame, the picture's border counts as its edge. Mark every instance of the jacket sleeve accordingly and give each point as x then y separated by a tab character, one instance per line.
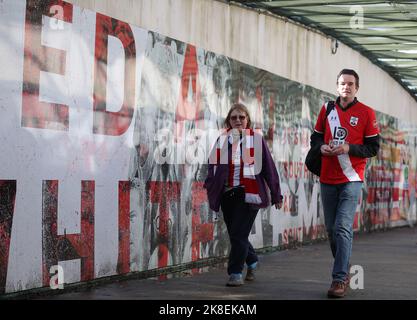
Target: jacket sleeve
210	170
211	189
210	176
270	174
368	149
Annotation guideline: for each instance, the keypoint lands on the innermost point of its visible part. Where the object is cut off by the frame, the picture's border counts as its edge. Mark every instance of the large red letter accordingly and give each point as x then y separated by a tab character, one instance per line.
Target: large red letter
107	122
68	246
37	58
201	232
189	101
7	200
163	192
123	264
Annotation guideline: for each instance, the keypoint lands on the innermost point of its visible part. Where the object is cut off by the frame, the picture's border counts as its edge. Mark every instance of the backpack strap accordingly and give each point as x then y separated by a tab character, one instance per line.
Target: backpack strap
329	107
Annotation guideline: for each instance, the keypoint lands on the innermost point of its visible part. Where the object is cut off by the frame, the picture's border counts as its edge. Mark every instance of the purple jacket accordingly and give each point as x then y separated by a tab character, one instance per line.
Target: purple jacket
215	183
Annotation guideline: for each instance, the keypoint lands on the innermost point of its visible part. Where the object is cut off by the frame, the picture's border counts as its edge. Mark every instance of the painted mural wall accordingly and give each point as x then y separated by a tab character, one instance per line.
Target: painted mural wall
105	131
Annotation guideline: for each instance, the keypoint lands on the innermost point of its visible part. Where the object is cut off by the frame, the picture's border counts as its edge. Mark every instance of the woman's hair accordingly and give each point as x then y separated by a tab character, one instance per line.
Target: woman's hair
241	107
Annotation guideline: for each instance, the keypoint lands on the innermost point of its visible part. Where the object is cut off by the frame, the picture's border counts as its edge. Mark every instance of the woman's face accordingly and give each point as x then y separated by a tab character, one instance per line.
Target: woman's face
238	120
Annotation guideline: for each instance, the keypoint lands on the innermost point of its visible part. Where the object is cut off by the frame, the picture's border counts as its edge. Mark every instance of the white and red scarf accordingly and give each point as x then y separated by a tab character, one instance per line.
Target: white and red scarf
241	173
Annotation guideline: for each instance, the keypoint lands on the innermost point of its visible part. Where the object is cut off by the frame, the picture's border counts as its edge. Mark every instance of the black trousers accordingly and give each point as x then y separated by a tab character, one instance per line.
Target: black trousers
239	218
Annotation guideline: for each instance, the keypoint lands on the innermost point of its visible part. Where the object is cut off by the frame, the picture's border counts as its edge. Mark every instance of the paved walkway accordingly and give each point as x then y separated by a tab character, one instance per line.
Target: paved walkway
389	261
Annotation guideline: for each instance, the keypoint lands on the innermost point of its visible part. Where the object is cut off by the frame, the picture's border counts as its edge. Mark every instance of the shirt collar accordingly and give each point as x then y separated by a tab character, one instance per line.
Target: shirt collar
355	100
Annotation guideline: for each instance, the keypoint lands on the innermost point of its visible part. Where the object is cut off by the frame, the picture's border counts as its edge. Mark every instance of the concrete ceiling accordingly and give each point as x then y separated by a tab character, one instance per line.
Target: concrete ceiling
383	31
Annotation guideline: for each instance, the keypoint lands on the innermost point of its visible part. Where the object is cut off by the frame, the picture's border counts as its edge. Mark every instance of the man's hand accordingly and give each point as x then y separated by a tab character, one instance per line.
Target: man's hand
342	149
326	150
278	205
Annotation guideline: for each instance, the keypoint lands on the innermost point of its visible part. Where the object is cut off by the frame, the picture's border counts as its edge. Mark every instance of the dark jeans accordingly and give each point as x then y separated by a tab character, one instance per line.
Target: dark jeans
239	217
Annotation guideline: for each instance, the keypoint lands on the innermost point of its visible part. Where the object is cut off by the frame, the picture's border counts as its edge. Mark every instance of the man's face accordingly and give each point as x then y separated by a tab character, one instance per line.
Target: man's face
346	87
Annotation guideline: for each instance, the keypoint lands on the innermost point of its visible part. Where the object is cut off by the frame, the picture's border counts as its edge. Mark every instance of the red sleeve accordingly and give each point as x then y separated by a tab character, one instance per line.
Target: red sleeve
320	120
371	129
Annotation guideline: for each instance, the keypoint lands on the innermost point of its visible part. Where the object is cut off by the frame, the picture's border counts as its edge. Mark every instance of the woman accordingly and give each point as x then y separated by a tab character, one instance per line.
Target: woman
239	165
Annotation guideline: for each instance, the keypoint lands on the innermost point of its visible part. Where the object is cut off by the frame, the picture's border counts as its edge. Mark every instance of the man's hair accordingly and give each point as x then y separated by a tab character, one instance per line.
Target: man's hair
351	72
241	107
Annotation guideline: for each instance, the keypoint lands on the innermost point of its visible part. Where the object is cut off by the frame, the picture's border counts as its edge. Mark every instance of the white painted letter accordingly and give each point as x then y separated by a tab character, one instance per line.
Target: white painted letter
57	280
356	22
356	281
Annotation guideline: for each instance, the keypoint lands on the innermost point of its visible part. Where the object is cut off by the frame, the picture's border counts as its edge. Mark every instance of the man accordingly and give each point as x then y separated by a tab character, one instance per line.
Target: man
348	136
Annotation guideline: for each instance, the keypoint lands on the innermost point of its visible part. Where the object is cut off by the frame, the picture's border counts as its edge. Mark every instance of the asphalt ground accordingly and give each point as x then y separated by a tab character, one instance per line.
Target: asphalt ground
388	260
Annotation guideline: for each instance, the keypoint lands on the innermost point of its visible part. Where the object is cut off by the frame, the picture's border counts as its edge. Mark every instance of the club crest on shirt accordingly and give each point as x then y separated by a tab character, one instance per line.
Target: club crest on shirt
353	121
